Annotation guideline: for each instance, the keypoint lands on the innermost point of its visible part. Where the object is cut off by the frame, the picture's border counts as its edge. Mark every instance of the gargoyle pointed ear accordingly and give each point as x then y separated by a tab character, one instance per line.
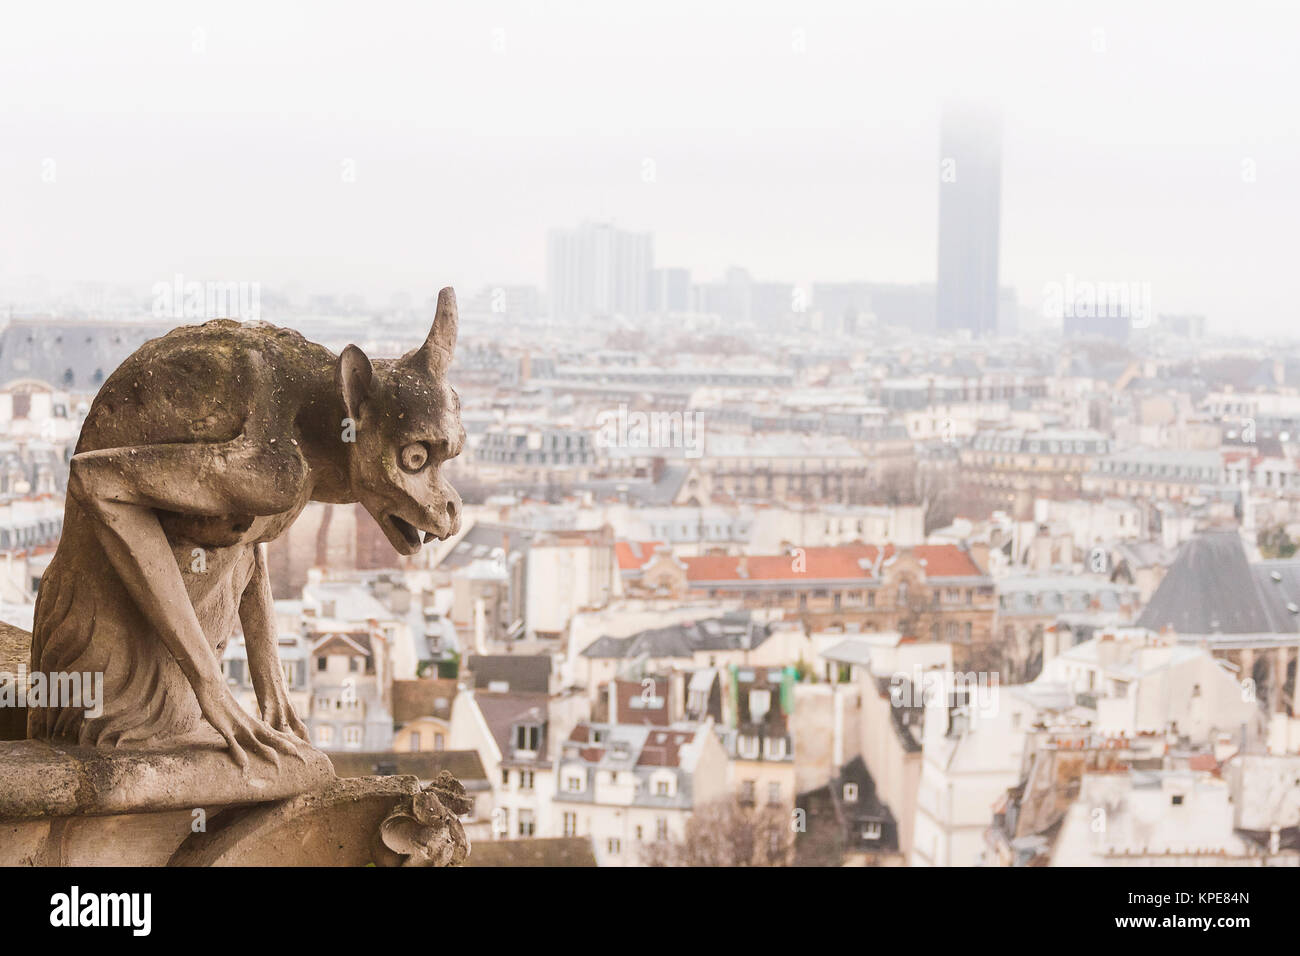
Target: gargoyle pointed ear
353	377
436	352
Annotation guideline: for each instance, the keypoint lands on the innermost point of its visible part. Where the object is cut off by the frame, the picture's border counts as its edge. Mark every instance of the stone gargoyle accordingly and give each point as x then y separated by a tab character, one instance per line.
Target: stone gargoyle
205	444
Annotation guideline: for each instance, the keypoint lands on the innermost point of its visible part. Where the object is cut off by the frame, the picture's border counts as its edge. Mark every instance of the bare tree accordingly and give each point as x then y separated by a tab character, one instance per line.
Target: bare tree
728	833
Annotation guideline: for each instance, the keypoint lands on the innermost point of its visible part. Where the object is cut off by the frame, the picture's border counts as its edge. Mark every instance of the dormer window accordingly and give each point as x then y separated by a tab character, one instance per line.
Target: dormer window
528	737
760	702
850	793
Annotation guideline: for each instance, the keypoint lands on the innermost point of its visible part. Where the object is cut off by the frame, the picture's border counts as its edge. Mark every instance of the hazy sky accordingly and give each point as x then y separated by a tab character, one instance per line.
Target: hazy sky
797	139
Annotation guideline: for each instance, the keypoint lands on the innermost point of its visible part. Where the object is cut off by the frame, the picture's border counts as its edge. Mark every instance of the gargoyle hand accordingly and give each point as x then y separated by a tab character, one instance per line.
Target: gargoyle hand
240	729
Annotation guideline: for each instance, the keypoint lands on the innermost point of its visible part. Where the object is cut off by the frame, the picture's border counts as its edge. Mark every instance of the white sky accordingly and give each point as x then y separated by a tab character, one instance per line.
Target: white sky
209	139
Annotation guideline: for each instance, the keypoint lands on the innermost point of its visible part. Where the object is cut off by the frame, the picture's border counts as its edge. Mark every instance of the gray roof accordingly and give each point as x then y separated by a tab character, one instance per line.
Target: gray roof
71	354
726	633
481	540
1212	589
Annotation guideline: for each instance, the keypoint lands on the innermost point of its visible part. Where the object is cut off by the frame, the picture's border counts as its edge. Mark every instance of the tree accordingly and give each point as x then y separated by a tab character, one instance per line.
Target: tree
728	833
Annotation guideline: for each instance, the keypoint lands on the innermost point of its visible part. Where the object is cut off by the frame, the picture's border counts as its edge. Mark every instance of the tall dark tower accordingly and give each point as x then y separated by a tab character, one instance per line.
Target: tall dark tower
970	198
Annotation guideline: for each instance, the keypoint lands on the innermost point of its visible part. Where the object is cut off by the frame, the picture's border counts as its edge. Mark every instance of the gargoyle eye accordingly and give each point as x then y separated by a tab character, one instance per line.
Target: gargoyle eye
414	456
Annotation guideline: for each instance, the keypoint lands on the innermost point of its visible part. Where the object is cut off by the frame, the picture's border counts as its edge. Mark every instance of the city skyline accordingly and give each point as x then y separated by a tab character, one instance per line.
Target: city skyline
1126	159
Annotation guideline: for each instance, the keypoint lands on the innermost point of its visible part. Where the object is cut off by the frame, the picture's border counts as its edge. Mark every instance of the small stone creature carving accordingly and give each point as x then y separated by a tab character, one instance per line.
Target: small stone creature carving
428	831
205	444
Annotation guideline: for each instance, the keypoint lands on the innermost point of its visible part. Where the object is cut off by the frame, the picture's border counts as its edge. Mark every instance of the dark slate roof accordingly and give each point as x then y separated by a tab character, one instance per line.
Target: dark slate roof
524	673
1278	585
465	765
482	539
729	632
1212	589
70	354
553	851
651	493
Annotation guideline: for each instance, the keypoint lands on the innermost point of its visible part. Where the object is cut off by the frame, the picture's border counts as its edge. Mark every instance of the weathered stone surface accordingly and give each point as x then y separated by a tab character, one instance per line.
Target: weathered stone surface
15	651
127	839
40	779
386	821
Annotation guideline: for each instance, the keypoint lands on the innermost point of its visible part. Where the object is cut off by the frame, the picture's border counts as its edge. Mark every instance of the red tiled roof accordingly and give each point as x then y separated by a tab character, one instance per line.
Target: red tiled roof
842	562
633	555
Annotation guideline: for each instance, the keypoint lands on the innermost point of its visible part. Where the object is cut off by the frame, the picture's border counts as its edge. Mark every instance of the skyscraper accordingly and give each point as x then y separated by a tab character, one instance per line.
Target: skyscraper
597	270
970	197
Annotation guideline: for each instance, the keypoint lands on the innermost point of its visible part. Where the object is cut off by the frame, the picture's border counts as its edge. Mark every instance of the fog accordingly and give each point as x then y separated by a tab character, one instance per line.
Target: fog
384	147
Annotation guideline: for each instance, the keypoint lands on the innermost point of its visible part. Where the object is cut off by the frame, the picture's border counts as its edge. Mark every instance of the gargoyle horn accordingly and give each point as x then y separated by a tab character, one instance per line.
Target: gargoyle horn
436	352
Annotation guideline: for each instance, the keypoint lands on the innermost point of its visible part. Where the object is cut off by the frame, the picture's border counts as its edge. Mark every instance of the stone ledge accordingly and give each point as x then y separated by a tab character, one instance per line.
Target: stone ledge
39	779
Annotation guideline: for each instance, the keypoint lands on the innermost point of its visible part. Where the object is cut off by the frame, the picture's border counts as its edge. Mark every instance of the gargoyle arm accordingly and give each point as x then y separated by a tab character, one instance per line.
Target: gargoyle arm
257	616
244	476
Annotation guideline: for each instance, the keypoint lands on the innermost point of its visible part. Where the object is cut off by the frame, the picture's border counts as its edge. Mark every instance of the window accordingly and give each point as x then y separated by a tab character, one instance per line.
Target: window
526	824
573	783
290	674
570	824
415	741
354	665
324	735
661	828
321	663
850	793
352	736
1177	800
439	742
528	737
773	794
639	837
613	846
747	792
747	747
505	777
662	788
525	780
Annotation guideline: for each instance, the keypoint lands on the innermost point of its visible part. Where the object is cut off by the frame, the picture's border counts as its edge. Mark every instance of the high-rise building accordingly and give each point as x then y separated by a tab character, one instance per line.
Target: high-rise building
670	290
970	195
596	270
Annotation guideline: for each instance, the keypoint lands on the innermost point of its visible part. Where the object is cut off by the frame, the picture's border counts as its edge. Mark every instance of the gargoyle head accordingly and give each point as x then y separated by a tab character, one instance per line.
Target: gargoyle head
407	424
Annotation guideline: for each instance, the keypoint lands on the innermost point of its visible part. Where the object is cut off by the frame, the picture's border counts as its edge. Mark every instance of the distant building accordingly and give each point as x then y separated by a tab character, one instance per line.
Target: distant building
627	787
597	270
670	290
970	197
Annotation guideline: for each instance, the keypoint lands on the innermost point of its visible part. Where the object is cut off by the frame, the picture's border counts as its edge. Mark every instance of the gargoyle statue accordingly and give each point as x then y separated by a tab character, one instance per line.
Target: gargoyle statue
204	445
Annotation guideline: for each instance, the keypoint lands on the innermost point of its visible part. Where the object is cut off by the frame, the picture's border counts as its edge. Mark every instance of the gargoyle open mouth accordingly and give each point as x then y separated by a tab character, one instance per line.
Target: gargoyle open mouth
409	532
